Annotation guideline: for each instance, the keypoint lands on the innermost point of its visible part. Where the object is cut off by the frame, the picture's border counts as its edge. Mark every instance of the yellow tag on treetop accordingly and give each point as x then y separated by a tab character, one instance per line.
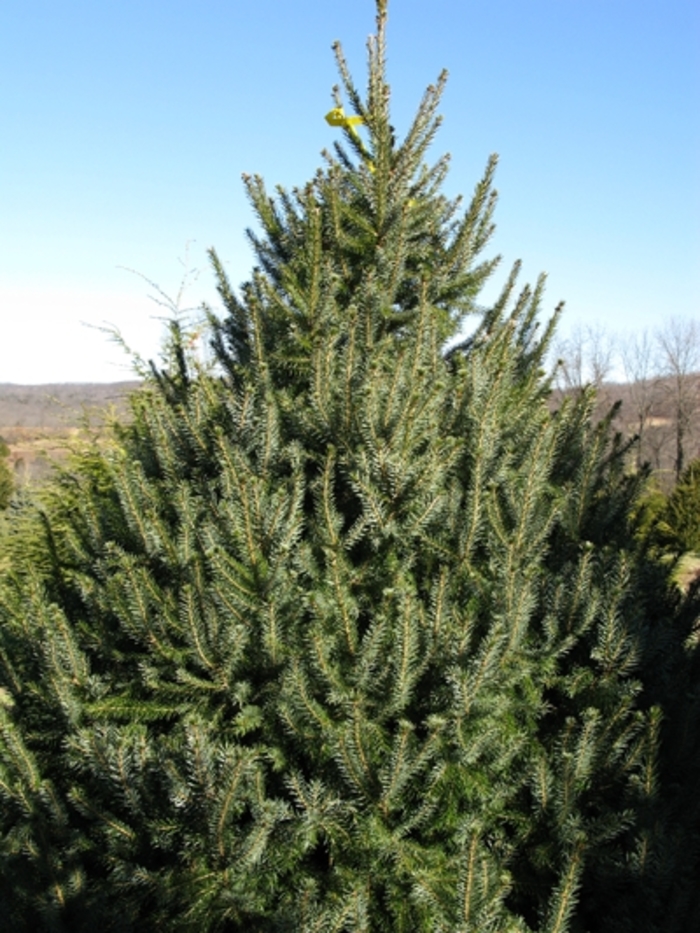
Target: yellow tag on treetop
336	117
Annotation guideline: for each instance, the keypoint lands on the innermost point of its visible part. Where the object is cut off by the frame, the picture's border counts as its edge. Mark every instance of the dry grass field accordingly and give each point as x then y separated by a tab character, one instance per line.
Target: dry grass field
40	424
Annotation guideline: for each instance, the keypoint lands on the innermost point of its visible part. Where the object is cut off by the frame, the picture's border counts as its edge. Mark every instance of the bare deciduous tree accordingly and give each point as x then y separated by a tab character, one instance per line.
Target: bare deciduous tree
679	349
585	358
639	359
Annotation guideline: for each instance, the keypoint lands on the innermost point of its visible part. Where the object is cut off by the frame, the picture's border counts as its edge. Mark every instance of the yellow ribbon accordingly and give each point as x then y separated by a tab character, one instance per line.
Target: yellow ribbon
336	117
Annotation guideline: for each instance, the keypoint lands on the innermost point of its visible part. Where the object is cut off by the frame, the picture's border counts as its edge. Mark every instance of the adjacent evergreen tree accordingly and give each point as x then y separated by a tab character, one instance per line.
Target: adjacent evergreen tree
6	481
351	633
677	528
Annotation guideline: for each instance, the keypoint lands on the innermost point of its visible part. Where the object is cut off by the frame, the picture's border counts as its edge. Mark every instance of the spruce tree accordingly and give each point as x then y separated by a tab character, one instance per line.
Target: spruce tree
677	527
349	633
6	479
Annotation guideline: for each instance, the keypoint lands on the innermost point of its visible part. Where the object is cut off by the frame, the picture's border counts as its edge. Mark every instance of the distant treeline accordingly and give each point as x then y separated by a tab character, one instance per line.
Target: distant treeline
58	405
660	393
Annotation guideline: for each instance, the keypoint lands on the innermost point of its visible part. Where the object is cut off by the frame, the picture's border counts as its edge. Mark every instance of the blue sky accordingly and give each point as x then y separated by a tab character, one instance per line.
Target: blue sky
126	127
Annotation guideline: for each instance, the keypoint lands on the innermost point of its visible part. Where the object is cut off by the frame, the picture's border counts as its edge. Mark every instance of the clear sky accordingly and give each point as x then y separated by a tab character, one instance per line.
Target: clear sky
126	125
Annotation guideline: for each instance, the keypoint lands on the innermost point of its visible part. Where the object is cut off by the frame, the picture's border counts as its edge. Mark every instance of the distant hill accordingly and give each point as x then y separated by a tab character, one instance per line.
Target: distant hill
659	399
54	405
39	422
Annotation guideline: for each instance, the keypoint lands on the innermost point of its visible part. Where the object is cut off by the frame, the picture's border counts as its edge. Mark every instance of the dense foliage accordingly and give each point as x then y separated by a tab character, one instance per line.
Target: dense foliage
6	480
352	632
677	523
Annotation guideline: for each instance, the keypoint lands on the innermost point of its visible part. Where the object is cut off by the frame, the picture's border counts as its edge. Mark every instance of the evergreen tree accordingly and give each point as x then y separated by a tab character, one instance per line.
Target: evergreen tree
352	633
6	480
677	527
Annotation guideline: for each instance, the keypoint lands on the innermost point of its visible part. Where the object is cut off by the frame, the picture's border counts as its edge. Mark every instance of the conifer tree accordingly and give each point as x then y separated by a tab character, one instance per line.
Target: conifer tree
350	633
6	480
678	524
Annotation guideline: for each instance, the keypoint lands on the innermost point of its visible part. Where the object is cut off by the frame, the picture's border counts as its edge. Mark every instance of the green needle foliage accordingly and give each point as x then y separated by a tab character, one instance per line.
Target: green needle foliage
677	527
350	633
6	480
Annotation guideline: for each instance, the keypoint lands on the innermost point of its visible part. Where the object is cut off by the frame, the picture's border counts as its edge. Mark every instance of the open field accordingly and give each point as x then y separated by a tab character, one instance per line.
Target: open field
40	423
